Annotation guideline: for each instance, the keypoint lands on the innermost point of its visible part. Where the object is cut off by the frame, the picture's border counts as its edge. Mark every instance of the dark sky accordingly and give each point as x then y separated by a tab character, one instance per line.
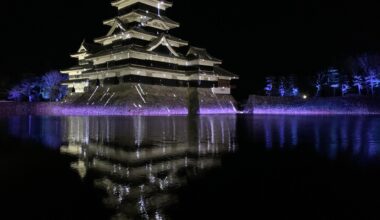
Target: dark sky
255	39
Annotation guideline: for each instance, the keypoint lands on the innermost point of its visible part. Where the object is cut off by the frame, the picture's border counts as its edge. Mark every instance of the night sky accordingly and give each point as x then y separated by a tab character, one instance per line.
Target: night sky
254	40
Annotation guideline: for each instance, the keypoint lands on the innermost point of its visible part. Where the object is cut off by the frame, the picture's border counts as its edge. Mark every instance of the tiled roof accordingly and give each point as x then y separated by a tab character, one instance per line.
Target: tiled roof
222	72
200	53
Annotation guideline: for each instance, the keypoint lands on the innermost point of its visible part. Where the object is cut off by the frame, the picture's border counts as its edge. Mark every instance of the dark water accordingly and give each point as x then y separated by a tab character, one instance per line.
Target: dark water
211	167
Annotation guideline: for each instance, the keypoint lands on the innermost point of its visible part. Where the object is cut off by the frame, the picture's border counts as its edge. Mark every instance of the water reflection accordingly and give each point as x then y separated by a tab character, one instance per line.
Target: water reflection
40	129
141	161
330	136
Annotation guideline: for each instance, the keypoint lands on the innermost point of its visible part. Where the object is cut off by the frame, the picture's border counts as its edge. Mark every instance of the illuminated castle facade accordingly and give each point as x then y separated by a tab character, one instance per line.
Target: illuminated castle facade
138	49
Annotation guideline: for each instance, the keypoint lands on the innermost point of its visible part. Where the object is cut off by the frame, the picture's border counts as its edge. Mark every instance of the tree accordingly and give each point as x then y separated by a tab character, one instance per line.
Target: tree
51	84
353	67
28	90
370	65
15	94
293	90
333	79
358	82
52	79
345	85
319	81
372	81
49	87
63	90
31	89
282	86
269	86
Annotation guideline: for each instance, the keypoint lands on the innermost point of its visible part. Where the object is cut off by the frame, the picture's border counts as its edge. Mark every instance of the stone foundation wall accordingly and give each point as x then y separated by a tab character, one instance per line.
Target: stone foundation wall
132	99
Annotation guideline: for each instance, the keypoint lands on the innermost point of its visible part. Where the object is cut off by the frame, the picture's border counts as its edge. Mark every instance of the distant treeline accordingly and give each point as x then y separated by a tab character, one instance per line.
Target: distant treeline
358	76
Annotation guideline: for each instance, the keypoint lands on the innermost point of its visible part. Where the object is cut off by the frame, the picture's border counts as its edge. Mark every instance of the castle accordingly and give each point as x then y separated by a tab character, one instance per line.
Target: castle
139	64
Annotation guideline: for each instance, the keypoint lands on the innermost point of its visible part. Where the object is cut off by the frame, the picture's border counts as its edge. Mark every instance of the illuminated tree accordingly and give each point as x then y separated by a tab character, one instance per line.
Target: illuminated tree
63	90
15	94
48	87
27	90
333	79
319	81
52	79
353	68
269	86
293	90
370	65
358	82
345	85
52	89
282	87
372	81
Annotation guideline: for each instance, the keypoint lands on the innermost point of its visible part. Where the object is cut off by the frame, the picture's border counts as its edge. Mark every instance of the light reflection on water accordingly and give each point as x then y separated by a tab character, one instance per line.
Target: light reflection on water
329	135
140	162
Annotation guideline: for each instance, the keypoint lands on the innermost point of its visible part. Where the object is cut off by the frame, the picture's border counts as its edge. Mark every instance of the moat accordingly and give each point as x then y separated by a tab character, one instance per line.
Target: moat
181	167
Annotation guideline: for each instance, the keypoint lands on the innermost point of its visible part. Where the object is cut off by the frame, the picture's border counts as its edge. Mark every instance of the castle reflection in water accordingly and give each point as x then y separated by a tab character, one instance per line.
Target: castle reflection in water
141	161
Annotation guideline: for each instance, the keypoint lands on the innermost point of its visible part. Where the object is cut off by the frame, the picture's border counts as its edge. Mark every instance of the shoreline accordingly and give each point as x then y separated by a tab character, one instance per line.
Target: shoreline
61	109
256	105
354	105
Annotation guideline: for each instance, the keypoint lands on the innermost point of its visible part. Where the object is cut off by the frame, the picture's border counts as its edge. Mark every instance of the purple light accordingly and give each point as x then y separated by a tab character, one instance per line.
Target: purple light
117	111
216	111
312	106
65	110
308	111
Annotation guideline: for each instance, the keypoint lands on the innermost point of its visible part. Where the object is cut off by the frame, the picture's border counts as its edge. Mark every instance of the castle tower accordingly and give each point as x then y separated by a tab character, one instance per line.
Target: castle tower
139	48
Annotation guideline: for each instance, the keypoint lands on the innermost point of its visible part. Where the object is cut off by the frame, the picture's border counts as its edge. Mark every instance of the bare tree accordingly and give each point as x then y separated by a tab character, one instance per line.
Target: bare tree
358	82
269	86
30	89
345	85
15	94
333	79
370	65
293	89
282	86
51	84
319	81
372	81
